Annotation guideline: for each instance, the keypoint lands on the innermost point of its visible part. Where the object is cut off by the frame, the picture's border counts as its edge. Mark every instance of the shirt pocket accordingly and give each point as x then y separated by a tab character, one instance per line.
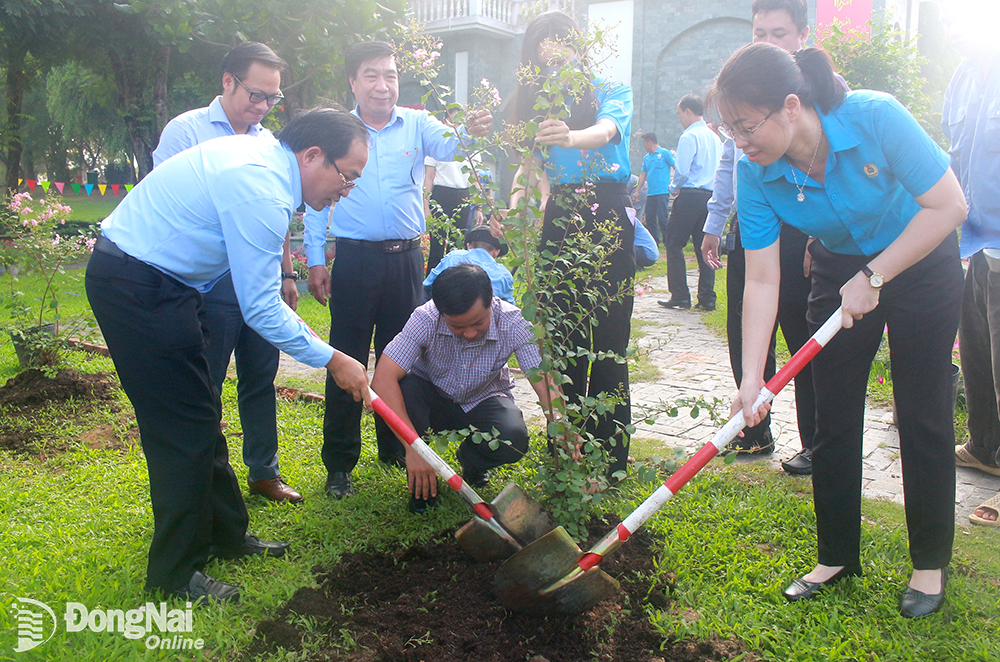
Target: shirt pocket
408	164
991	131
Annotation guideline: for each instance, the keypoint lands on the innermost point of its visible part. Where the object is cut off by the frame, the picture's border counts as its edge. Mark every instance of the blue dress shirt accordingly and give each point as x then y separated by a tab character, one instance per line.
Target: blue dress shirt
879	161
196	126
657	167
698	154
723	199
644	242
500	277
223	205
388	201
609	163
971	121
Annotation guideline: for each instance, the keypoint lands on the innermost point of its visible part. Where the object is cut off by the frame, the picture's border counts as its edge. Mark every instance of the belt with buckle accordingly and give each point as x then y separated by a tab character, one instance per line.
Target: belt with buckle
387	246
105	245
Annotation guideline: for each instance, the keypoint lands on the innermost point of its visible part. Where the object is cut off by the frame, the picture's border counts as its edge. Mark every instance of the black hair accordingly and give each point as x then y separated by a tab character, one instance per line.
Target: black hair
239	59
560	27
362	52
693	103
650	138
762	75
332	129
795	8
456	289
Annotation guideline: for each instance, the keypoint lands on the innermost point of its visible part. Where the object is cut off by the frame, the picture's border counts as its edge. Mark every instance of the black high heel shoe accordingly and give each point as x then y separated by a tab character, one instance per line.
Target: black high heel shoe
801	589
915	604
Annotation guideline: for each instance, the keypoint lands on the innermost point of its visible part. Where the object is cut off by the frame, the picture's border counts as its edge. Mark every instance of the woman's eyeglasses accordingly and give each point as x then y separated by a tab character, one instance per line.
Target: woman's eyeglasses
746	134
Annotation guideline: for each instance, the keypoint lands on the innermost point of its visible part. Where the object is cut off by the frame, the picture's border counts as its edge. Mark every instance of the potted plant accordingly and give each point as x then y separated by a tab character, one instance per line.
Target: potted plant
31	244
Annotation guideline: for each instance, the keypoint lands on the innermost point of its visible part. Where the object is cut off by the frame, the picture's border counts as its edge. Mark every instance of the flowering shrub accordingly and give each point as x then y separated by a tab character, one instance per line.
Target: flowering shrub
34	242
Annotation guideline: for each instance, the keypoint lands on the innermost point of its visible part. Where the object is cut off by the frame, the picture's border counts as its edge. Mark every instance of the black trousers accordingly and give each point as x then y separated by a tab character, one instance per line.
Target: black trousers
687	218
430	409
611	324
921	308
979	335
657	216
793	301
455	205
154	328
370	290
256	368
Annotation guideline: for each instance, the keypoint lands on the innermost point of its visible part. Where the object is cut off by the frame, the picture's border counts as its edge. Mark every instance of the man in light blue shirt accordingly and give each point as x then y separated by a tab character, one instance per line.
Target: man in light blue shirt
481	249
656	167
698	153
375	281
969	119
251	86
222	206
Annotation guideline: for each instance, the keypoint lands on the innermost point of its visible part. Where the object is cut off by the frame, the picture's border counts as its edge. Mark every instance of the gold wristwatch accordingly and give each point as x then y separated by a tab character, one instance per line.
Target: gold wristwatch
876	280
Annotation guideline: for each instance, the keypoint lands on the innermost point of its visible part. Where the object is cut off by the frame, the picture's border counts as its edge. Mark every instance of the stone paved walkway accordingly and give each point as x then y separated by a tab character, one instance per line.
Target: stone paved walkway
694	361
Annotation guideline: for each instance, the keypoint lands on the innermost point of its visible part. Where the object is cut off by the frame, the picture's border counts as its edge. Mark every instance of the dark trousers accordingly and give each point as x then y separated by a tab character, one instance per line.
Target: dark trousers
921	308
256	368
657	216
793	299
687	218
429	408
609	326
369	290
979	345
154	328
455	205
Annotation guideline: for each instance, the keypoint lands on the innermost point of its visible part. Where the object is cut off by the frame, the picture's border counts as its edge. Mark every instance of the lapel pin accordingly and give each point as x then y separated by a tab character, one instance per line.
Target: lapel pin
871	170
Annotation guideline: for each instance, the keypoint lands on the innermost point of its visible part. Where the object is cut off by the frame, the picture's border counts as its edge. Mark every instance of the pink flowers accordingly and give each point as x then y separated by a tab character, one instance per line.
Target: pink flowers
594	207
492	94
427	58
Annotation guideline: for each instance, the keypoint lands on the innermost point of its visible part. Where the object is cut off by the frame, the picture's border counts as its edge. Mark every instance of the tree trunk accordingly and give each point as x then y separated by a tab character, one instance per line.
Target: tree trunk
17	82
131	73
57	162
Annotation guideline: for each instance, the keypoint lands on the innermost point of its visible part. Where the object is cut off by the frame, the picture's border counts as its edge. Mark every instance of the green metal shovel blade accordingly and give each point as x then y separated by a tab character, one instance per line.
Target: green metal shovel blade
525	580
514	510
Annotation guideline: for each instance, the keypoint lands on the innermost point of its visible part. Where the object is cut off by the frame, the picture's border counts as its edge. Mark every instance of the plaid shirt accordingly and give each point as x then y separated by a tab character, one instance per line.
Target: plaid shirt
466	372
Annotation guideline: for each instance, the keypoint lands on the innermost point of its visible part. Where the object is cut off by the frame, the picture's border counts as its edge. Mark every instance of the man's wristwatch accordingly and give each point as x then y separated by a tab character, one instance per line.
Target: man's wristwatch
289	274
874	279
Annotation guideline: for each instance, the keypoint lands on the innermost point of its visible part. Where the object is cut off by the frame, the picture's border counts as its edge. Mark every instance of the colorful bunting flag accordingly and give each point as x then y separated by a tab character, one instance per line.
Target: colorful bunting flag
89	188
31	184
128	187
60	185
114	188
45	186
76	189
103	188
19	181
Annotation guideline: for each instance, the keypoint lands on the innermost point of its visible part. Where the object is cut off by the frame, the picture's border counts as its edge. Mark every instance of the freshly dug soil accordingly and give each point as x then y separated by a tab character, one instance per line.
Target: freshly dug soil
33	392
433	603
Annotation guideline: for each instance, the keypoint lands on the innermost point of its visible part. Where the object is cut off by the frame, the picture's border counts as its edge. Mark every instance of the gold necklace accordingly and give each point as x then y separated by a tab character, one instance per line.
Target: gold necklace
802	196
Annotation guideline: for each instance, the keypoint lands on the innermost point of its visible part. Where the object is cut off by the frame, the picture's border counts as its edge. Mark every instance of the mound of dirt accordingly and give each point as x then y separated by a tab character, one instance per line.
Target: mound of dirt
434	604
33	388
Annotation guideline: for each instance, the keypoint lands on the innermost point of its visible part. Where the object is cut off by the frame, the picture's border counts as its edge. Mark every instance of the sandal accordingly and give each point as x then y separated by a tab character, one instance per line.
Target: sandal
963	458
993	503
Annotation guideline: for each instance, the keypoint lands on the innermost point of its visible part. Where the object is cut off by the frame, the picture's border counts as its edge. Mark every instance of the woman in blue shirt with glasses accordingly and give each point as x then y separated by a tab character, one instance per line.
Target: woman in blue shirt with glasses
858	173
588	150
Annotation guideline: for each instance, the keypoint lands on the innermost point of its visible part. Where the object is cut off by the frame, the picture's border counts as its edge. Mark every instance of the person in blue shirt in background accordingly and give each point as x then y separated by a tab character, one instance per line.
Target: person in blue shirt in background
646	253
220	207
698	153
656	167
251	87
970	122
591	146
858	173
481	249
375	281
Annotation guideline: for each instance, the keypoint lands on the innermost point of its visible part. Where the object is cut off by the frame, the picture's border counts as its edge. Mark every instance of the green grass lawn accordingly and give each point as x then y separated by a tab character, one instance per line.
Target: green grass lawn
94	207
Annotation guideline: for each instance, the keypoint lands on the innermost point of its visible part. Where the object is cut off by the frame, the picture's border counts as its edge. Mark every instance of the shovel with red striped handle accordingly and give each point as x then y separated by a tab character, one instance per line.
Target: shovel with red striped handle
552	574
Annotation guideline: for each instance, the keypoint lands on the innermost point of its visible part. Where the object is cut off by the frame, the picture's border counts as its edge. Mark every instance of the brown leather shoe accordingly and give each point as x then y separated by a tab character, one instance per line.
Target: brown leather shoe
275	489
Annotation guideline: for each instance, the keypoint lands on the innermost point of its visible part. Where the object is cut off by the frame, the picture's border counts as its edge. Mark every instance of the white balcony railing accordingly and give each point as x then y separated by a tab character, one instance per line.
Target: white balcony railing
508	16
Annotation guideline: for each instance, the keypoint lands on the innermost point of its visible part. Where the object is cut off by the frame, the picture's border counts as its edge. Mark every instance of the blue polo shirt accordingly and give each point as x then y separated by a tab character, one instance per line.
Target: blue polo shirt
221	206
880	160
609	163
500	276
196	126
388	201
657	167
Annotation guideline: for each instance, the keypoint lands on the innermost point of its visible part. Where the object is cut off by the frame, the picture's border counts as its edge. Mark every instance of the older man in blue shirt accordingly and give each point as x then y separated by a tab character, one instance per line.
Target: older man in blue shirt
969	120
220	207
698	154
251	87
376	278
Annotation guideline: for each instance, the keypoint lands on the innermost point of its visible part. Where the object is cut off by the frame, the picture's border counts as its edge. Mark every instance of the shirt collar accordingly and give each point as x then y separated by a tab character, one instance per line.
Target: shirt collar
217	114
839	136
393	118
492	333
296	179
694	125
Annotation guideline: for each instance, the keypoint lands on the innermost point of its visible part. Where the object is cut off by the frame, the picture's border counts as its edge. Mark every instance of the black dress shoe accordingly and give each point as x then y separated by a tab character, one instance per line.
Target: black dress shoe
476	479
420	506
252	546
801	589
916	604
800	464
203	587
675	303
339	485
707	307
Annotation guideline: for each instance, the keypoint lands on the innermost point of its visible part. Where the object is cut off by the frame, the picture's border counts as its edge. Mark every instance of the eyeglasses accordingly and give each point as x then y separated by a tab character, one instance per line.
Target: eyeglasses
745	134
256	97
348	183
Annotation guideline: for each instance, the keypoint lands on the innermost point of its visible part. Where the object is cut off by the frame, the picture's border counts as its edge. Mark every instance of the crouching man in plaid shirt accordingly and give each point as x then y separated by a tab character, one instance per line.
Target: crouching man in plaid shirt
447	370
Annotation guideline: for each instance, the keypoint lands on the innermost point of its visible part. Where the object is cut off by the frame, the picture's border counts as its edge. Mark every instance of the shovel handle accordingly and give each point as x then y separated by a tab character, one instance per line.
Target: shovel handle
721	439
